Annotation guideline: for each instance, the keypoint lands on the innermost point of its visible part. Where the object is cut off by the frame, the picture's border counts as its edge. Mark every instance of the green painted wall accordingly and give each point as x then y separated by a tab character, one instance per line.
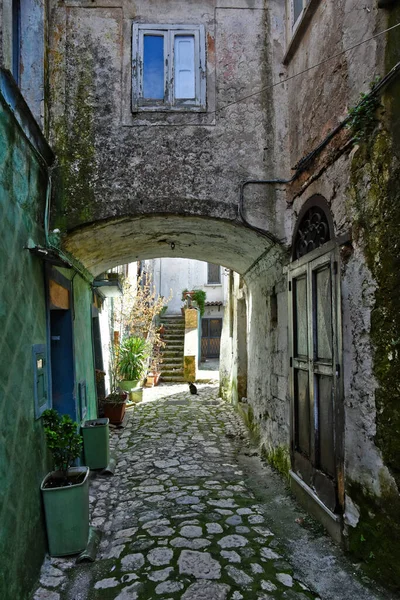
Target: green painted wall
23	458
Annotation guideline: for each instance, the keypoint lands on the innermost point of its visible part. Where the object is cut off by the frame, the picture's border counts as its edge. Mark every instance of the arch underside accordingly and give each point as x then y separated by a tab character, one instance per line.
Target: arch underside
103	245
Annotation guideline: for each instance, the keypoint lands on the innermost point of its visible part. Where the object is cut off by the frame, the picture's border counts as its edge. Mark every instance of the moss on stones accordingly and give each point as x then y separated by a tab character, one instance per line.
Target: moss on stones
375	198
278	457
75	148
376	537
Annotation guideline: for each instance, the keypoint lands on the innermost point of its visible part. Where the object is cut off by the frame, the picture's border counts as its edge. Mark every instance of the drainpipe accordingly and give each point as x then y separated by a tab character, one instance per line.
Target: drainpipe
306	160
47	221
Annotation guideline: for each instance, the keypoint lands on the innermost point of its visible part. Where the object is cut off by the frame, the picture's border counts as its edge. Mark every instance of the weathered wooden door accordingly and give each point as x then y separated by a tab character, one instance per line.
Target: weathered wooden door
315	372
211	337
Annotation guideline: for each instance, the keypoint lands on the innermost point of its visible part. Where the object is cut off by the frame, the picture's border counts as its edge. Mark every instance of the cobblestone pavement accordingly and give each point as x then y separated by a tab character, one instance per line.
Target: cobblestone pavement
178	520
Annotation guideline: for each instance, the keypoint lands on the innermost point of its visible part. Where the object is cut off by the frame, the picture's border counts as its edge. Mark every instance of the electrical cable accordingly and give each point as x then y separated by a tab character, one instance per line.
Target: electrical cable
322	62
306	160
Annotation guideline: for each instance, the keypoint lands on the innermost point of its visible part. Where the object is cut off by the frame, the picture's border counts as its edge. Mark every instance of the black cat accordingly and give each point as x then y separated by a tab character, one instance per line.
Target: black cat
193	388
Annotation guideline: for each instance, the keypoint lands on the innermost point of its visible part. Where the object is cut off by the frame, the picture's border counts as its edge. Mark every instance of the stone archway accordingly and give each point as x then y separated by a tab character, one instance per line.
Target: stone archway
104	244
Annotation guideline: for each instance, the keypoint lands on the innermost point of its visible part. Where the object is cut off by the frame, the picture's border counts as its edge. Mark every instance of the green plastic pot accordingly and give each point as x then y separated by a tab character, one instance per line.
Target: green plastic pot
67	514
127	385
96	443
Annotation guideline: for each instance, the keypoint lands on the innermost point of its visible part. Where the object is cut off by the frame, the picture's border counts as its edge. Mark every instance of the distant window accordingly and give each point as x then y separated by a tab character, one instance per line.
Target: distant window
16	39
213	273
296	10
168	68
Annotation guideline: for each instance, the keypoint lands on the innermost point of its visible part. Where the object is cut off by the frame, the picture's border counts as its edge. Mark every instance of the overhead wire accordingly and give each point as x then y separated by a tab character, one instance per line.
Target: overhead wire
303	163
322	62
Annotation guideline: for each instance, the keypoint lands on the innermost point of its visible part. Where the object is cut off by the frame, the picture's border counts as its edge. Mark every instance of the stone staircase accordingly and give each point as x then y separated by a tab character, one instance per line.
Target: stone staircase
172	365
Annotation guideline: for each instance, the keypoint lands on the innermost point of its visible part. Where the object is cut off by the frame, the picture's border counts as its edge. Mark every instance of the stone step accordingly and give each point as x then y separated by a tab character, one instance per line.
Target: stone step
173	373
176	347
175	363
172	354
172	379
174	330
172	336
173	320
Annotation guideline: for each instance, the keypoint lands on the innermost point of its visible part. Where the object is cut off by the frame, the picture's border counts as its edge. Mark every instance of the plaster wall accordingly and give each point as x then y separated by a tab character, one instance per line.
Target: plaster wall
105	315
173	275
320	98
115	162
23	458
268	381
355	180
266	338
32	51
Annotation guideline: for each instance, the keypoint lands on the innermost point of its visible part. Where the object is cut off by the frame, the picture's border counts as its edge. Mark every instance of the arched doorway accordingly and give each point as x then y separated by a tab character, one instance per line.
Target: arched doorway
315	356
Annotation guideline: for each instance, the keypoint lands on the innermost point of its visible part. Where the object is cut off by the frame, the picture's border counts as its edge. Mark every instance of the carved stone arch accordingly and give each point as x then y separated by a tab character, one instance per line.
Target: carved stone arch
314	226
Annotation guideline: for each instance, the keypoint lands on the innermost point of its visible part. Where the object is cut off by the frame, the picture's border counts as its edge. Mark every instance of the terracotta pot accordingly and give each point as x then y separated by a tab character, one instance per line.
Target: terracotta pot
152	379
115	412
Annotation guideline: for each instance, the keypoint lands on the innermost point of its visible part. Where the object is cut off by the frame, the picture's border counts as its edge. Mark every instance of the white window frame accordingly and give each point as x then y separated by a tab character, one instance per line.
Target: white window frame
294	23
169	102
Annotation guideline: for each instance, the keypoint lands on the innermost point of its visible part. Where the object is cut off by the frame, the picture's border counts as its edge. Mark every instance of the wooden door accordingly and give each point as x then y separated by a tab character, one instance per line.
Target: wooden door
211	337
315	373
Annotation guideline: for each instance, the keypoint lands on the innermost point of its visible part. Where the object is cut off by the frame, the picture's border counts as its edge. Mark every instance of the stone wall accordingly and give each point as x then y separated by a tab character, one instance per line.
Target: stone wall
117	162
357	179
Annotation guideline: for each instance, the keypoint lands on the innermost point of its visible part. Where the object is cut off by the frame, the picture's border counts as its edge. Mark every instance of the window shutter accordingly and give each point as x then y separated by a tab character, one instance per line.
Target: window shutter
184	67
213	273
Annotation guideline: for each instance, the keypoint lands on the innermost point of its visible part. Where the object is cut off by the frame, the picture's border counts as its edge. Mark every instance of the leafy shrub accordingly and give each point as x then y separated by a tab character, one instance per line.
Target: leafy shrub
132	356
63	439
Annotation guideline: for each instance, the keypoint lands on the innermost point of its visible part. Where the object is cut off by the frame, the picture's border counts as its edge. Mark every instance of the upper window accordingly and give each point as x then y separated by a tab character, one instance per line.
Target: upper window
168	67
213	273
297	9
16	40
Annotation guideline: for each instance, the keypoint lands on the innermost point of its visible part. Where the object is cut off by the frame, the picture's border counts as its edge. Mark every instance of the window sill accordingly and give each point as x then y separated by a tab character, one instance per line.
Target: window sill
168	109
300	30
213	285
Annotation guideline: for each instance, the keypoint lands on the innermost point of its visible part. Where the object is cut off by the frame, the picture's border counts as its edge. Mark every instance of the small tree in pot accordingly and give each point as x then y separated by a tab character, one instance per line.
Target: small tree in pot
65	491
64	443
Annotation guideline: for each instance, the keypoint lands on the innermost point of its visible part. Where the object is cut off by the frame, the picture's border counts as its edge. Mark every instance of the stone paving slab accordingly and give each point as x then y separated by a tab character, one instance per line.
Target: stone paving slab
178	520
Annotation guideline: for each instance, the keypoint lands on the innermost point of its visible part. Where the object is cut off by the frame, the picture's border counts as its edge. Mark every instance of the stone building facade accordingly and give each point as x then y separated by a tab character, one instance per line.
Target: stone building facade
240	152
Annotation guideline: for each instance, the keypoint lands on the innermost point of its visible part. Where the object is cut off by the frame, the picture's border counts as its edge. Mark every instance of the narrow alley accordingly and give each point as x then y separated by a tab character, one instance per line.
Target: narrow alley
193	513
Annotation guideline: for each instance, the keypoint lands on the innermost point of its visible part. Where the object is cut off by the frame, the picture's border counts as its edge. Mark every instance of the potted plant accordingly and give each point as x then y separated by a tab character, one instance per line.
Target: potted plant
196	296
132	358
199	297
65	491
186	299
115	403
154	373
